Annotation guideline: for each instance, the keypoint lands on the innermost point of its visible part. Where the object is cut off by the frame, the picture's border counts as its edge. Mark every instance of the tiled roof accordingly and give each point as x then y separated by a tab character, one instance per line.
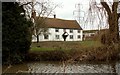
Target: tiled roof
60	23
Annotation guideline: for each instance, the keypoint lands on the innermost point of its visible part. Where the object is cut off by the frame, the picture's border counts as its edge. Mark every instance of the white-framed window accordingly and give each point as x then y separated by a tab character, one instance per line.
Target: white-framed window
64	30
78	36
71	36
56	30
71	30
57	36
46	36
78	31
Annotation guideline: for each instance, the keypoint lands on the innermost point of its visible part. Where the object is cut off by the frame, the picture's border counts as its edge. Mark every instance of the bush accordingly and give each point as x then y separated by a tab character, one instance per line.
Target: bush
56	55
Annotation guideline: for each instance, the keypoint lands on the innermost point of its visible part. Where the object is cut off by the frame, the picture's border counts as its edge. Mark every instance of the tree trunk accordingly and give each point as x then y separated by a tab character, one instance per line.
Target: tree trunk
113	22
37	38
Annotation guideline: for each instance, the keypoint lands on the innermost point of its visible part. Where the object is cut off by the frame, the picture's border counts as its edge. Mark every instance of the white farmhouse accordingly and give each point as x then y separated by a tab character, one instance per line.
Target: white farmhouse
57	27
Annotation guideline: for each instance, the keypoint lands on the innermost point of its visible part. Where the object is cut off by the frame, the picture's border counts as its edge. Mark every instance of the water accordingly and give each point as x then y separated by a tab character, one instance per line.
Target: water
69	68
62	67
117	67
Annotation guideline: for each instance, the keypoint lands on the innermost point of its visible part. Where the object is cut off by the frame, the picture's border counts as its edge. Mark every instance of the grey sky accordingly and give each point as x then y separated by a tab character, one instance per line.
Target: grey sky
67	8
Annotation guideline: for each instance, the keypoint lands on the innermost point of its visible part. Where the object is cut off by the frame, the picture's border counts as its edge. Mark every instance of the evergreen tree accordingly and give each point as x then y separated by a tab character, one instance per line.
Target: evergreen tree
16	36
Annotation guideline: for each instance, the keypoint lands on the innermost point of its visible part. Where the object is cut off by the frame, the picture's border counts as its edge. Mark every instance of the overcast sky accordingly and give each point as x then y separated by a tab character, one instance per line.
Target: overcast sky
68	7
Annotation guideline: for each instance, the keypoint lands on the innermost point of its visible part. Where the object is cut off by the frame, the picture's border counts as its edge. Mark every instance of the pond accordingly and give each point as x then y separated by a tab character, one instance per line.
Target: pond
63	67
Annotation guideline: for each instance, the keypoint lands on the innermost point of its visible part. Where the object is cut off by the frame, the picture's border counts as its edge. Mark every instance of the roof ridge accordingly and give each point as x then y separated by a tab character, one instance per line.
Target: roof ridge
62	23
61	19
57	18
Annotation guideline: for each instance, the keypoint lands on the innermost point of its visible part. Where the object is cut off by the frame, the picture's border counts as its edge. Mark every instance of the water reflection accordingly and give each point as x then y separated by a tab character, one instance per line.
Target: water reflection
117	67
62	67
59	67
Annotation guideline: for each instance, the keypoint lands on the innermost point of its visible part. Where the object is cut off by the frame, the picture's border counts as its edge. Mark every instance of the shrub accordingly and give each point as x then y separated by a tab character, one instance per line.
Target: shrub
56	55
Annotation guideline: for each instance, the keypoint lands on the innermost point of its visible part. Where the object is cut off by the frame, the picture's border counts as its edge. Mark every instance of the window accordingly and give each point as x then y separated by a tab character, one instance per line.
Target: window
71	36
92	34
78	31
64	30
71	31
56	30
57	36
46	36
78	36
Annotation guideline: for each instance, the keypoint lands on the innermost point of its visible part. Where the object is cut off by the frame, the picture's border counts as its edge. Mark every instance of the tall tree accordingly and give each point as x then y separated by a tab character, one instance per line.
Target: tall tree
112	20
15	32
108	10
39	15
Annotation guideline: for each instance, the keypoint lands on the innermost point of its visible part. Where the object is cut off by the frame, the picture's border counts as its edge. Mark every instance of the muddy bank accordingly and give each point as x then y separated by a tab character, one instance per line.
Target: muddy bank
14	68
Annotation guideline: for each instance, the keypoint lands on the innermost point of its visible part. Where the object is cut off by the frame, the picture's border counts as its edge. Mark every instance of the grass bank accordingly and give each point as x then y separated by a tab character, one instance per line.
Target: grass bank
74	51
69	45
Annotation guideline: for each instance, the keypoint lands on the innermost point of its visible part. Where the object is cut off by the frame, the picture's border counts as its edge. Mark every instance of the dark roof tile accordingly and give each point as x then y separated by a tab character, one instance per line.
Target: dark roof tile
60	23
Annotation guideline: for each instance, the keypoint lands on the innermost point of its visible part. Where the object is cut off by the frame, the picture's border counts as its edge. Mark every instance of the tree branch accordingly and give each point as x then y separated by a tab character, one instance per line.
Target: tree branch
107	8
27	3
114	6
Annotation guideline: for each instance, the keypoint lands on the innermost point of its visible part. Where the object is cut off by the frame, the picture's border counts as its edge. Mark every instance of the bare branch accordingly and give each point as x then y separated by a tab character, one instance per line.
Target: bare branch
114	6
107	8
26	3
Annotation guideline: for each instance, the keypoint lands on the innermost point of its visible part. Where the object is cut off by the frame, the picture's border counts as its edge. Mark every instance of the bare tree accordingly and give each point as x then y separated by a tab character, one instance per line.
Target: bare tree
108	10
38	12
112	20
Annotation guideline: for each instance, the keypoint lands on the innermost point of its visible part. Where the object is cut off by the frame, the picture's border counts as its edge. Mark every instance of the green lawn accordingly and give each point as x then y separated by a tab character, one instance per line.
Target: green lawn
80	51
91	43
42	49
68	45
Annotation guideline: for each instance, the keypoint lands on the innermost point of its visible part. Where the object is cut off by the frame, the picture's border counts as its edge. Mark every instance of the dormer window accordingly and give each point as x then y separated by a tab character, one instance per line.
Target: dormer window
56	30
64	30
71	30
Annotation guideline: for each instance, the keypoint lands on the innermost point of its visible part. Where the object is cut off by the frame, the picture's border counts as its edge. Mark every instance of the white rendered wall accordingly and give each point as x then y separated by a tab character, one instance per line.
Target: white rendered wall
52	35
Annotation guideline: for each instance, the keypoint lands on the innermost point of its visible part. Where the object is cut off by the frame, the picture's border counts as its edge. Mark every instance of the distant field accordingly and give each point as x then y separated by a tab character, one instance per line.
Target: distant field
68	45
